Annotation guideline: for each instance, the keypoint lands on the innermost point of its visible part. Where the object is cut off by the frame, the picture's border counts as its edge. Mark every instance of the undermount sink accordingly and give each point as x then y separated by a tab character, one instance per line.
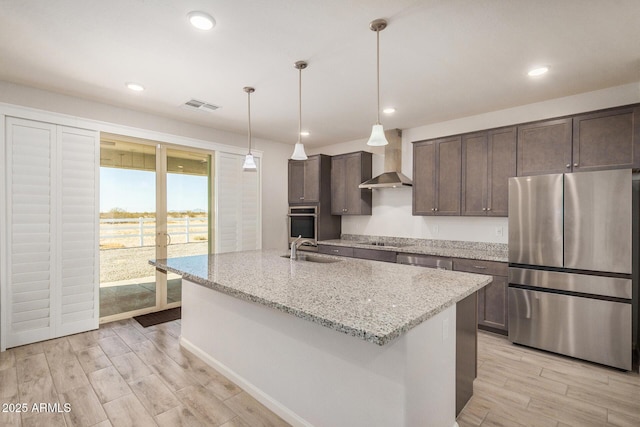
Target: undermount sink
312	258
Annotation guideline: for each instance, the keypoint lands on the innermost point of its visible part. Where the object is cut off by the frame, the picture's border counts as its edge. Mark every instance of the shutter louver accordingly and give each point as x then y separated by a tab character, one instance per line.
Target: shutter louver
78	267
29	168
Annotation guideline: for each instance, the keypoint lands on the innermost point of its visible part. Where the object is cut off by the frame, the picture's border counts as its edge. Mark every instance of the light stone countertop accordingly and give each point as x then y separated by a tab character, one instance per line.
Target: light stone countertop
445	248
371	300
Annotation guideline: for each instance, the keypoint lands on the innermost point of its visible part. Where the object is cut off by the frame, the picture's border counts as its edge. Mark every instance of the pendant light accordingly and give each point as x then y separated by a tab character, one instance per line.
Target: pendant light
298	150
377	137
249	162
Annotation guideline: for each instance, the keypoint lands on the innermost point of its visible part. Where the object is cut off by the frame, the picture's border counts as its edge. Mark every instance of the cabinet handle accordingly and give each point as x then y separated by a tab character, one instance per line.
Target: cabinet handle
336	250
480	267
484	209
302	198
433	209
575	165
488	209
568	165
436	209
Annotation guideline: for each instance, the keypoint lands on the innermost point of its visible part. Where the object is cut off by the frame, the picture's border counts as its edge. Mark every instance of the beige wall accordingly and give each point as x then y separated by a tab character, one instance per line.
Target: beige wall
130	122
392	206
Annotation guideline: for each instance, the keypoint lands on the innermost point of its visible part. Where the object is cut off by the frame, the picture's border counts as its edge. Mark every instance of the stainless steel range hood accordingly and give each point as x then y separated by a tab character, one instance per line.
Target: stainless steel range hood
392	177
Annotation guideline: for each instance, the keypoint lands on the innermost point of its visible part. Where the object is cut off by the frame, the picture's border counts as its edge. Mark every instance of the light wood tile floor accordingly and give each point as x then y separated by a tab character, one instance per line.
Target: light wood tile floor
520	386
123	375
127	375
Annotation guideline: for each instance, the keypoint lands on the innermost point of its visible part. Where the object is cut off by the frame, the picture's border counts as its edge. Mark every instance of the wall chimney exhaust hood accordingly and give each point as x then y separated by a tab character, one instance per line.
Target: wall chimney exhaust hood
392	177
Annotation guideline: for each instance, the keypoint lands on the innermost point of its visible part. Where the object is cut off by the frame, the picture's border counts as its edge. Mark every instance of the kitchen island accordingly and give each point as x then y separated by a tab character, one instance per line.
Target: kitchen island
350	342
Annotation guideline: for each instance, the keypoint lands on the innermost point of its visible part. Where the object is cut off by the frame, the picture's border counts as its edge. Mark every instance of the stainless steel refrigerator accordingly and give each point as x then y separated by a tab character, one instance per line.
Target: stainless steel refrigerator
571	281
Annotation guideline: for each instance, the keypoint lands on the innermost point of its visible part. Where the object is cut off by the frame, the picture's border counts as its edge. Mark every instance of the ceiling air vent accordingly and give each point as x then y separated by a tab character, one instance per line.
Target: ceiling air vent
194	104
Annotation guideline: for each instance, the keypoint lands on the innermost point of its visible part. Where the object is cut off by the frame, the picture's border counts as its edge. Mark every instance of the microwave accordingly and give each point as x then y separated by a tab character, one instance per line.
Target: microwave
303	221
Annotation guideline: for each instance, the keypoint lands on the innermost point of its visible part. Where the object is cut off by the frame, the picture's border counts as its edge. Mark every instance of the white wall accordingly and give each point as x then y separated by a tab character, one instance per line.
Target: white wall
392	206
130	122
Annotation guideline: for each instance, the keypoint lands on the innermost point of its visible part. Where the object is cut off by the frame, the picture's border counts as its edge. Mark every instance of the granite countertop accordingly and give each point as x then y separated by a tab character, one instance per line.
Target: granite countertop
372	300
447	248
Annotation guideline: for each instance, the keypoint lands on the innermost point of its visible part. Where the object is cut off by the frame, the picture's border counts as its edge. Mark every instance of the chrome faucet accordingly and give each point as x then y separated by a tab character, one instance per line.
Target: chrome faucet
296	244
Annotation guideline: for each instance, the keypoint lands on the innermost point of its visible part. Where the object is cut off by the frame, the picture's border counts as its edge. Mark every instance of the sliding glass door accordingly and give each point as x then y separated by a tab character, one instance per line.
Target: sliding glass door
154	203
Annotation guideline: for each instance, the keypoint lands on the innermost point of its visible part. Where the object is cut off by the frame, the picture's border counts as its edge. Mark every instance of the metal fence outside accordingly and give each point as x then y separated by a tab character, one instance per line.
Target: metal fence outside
136	230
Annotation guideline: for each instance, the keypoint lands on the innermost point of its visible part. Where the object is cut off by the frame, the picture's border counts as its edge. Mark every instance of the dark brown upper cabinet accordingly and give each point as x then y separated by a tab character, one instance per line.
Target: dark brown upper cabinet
607	139
544	147
348	171
488	161
437	176
307	177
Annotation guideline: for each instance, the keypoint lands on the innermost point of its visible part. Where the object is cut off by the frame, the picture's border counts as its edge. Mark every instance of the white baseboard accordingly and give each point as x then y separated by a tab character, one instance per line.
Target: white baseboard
275	406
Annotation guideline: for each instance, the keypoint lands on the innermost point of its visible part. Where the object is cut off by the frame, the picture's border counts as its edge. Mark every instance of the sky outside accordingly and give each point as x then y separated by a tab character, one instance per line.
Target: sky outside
135	191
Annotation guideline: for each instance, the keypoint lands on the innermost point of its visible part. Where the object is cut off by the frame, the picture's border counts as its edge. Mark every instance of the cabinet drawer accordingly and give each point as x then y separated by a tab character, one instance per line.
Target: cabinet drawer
491	268
335	250
374	254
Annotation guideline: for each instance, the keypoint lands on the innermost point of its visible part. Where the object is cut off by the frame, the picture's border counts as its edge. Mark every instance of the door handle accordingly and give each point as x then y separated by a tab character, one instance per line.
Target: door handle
168	238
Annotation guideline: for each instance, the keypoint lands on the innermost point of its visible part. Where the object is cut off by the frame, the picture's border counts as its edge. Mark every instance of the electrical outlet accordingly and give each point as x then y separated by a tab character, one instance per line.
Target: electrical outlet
499	232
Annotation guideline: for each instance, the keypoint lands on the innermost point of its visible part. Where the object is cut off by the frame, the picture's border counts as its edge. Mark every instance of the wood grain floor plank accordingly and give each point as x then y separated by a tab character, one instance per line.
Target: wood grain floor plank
623	420
127	411
173	375
130	367
568	410
108	384
67	374
130	335
113	346
81	341
8	384
32	367
149	353
205	405
93	359
28	350
253	412
154	395
7	359
238	422
36	392
58	349
179	416
86	409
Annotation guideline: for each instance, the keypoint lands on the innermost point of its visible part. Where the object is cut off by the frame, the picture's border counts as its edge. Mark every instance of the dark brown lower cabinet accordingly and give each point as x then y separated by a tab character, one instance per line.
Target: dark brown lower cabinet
493	308
363	253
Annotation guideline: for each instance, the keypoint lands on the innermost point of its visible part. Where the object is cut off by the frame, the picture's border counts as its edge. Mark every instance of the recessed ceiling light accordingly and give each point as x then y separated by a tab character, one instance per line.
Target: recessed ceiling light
201	20
304	133
389	110
538	71
135	87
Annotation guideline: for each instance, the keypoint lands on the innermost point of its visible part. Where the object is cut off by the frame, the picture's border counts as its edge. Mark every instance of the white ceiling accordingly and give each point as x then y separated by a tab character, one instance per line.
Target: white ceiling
439	59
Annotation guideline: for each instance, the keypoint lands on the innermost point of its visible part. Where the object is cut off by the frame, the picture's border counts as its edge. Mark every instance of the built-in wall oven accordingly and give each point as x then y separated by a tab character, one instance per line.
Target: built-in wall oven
303	221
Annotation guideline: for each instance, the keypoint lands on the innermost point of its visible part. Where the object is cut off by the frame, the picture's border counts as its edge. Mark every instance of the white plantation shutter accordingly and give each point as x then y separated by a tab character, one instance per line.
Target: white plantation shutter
237	205
51	282
78	246
29	237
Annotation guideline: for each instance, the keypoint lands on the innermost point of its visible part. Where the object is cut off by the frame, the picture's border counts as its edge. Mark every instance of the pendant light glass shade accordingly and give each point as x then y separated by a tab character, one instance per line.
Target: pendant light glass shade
377	137
298	149
298	152
249	164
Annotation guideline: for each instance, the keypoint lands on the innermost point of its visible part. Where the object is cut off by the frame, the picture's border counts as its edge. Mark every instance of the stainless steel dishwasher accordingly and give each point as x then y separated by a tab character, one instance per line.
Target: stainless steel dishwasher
466	329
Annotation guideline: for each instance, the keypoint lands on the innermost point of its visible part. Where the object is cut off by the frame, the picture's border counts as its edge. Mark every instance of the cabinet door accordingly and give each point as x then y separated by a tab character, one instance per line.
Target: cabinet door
493	310
474	174
357	200
501	167
544	147
338	189
312	180
606	140
424	160
448	178
296	181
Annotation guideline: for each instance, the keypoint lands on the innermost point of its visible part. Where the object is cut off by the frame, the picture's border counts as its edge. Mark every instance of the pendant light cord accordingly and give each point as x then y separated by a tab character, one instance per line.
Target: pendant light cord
299	104
378	74
249	117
